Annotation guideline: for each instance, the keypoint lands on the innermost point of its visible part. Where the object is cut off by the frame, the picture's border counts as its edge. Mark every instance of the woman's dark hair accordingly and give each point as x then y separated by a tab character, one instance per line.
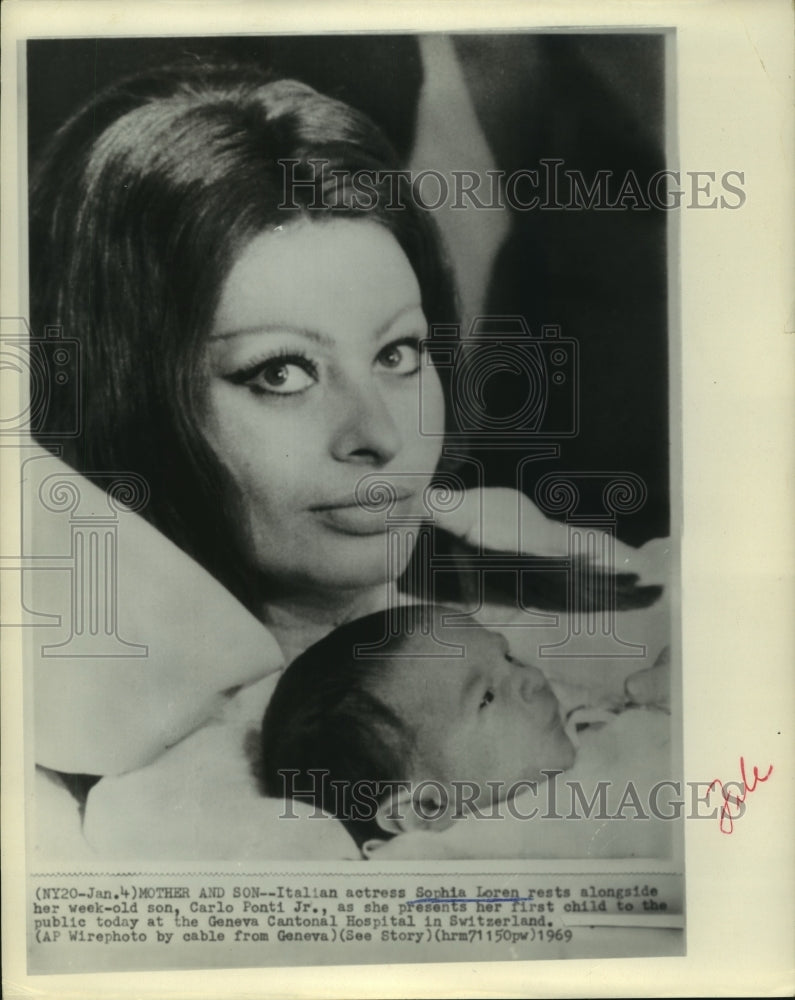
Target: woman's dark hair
138	210
327	737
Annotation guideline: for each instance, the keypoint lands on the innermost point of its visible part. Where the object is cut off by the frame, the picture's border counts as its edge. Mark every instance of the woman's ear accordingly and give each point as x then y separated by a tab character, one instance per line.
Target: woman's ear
426	808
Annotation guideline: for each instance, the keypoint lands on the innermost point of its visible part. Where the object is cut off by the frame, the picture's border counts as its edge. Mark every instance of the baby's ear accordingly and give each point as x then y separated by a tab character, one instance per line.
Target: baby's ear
426	807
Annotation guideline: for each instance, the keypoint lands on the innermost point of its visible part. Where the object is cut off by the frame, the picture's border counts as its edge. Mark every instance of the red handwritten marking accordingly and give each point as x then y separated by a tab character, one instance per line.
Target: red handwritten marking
726	817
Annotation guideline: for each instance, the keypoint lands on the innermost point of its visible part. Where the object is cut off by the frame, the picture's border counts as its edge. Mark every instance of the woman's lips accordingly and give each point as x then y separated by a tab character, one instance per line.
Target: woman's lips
354	519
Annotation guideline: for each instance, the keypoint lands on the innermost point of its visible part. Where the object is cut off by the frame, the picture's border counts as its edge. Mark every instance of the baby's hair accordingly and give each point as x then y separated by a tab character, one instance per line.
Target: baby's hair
325	723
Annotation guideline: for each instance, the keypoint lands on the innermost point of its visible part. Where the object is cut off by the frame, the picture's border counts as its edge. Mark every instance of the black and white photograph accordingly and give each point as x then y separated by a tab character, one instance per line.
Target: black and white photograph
350	448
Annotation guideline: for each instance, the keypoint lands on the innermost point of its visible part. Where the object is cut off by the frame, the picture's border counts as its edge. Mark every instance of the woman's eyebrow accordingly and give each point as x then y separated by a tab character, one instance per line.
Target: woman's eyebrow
404	310
314	335
251	331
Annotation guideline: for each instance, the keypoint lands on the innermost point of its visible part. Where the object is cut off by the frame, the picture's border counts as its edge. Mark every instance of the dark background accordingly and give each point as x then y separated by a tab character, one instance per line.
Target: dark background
595	101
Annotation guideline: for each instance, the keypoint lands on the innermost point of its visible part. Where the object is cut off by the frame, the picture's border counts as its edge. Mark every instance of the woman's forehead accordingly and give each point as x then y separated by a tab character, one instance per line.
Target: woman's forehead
321	276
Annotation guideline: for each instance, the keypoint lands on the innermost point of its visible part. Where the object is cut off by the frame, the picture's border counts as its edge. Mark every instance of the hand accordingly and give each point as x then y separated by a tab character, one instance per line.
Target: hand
505	520
651	686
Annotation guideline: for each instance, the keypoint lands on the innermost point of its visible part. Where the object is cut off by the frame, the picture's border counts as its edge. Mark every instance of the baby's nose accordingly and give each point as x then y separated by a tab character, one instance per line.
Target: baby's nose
531	683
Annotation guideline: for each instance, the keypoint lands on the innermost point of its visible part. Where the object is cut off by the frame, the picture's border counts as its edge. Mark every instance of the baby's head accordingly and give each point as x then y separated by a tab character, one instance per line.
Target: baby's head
424	704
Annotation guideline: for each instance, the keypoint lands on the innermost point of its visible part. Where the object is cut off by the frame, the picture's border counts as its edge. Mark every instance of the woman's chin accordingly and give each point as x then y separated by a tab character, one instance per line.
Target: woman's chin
325	559
364	561
332	580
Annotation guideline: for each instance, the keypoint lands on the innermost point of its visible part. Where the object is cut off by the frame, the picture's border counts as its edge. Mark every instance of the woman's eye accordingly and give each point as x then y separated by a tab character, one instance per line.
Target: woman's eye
402	357
282	376
487	699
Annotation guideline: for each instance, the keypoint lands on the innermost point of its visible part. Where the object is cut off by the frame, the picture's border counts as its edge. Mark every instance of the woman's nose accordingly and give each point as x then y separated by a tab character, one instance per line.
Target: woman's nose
366	431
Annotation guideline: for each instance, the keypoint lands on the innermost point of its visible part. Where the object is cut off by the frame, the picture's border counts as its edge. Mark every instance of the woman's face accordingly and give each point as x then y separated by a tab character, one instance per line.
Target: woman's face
314	384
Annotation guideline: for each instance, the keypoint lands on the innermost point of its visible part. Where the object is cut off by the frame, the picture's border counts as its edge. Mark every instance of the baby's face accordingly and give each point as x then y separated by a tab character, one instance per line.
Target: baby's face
484	717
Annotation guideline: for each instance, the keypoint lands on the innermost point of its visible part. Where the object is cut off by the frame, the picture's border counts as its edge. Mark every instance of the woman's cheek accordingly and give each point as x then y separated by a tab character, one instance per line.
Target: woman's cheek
428	419
277	471
263	459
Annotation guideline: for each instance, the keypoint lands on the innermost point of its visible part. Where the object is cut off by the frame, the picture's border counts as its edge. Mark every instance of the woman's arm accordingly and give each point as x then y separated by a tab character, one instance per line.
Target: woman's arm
506	521
108	717
200	800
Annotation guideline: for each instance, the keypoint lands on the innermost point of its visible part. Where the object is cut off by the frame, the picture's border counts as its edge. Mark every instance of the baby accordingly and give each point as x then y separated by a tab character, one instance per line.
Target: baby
378	725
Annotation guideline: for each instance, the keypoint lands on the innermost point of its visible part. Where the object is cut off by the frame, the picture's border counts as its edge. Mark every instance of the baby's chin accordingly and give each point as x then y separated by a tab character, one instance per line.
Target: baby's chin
569	754
559	755
562	752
